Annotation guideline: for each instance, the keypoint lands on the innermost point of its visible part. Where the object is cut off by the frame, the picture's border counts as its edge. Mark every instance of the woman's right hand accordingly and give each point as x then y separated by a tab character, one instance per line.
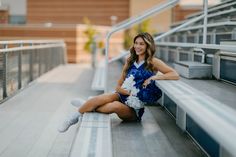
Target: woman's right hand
122	91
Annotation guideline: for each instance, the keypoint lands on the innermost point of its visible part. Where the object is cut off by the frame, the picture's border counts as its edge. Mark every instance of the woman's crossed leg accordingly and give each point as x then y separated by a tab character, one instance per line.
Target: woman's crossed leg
108	103
105	103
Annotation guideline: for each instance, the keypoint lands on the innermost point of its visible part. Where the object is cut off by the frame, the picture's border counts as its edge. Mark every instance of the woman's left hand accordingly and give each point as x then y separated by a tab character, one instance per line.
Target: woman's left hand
147	81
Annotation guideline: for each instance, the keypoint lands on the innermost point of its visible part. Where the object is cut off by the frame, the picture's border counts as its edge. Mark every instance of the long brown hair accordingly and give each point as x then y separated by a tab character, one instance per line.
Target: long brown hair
149	53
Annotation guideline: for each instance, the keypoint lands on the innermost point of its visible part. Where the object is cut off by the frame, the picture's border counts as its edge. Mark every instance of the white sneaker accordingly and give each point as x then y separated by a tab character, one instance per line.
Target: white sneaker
71	120
77	102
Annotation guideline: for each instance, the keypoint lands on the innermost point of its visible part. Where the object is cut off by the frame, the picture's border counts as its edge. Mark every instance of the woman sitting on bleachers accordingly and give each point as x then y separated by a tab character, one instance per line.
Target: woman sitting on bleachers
135	88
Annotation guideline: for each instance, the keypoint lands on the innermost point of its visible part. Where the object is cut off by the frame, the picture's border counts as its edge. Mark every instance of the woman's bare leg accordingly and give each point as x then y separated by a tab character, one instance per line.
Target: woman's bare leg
123	111
98	101
106	103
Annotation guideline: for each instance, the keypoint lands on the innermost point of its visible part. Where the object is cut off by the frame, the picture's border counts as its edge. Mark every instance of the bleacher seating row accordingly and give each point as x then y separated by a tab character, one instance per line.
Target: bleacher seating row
199	115
180	51
221	26
223	9
93	137
188	105
99	77
220	7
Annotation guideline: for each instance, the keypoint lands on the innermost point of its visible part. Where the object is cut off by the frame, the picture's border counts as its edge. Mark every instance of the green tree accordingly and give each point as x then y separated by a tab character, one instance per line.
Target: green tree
142	27
128	39
90	32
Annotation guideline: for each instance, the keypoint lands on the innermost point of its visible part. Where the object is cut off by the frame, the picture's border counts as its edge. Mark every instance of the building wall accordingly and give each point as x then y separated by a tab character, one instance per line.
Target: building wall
187	7
99	12
159	22
16	7
61	15
180	13
73	35
16	11
39	32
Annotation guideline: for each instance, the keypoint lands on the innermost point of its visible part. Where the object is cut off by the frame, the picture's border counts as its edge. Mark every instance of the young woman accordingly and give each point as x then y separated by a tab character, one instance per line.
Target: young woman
135	87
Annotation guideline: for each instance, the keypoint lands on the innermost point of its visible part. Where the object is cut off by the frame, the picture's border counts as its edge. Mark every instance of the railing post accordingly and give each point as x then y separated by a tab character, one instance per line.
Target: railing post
94	49
31	66
107	61
234	34
40	63
45	52
213	37
20	68
64	49
4	78
205	22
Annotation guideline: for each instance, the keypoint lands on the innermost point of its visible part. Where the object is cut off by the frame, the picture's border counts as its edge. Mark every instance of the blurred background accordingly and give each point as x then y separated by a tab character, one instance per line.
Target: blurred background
80	22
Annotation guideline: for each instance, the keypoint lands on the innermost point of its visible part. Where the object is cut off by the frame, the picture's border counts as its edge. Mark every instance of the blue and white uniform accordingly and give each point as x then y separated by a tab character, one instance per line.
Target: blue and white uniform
140	96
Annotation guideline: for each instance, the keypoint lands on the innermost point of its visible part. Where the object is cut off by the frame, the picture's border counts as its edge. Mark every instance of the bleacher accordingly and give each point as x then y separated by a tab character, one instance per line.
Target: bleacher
221	24
197	62
189	122
213	62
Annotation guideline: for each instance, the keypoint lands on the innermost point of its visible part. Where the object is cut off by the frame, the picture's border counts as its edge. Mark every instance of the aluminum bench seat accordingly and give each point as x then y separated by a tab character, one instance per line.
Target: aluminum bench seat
215	118
93	137
99	77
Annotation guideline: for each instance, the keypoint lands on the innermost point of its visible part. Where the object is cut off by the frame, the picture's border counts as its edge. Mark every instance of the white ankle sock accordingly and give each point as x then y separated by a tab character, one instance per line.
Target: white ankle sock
77	102
74	115
70	120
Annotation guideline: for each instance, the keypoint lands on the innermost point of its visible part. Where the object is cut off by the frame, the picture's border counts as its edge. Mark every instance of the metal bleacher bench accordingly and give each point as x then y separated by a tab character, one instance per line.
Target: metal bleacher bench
214	117
99	77
93	137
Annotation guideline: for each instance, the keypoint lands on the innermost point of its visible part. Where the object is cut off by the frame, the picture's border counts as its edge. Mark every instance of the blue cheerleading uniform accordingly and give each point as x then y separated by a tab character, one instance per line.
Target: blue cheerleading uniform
136	75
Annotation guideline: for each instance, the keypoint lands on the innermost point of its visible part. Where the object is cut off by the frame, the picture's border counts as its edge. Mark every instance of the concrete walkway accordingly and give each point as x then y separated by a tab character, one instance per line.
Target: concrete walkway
29	120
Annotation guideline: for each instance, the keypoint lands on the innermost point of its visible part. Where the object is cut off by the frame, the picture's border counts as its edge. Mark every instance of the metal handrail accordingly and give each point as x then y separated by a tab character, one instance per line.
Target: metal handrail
26	61
188	23
130	22
230	48
205	21
30	41
209	25
31	47
178	28
213	8
208	16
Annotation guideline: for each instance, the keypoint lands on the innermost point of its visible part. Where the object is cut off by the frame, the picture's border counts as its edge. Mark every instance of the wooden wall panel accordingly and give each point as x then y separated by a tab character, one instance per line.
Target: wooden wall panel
3	16
73	35
39	32
73	11
179	13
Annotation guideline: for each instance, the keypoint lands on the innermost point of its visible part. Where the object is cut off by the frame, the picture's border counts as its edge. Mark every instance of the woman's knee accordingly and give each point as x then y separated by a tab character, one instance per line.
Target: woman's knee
108	108
123	111
119	108
104	97
113	107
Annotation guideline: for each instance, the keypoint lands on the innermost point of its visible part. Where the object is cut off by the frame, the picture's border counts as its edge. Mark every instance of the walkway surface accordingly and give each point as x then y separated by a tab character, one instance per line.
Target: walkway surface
29	120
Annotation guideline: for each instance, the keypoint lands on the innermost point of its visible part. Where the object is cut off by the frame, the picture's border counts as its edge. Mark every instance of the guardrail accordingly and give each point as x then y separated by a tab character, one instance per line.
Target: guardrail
22	61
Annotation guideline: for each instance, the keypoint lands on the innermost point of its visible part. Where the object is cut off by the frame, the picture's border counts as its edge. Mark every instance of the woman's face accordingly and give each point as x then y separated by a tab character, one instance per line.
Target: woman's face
140	46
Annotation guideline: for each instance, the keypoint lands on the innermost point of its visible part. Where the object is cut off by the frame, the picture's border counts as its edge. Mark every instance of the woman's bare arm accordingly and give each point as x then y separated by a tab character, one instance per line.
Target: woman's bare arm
168	73
121	80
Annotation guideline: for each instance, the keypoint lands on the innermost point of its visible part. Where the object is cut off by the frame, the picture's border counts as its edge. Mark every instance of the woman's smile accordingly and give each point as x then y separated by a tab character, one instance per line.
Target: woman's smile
140	46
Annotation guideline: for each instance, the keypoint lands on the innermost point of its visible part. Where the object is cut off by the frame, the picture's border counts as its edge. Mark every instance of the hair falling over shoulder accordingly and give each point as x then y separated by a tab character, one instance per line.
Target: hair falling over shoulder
150	51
